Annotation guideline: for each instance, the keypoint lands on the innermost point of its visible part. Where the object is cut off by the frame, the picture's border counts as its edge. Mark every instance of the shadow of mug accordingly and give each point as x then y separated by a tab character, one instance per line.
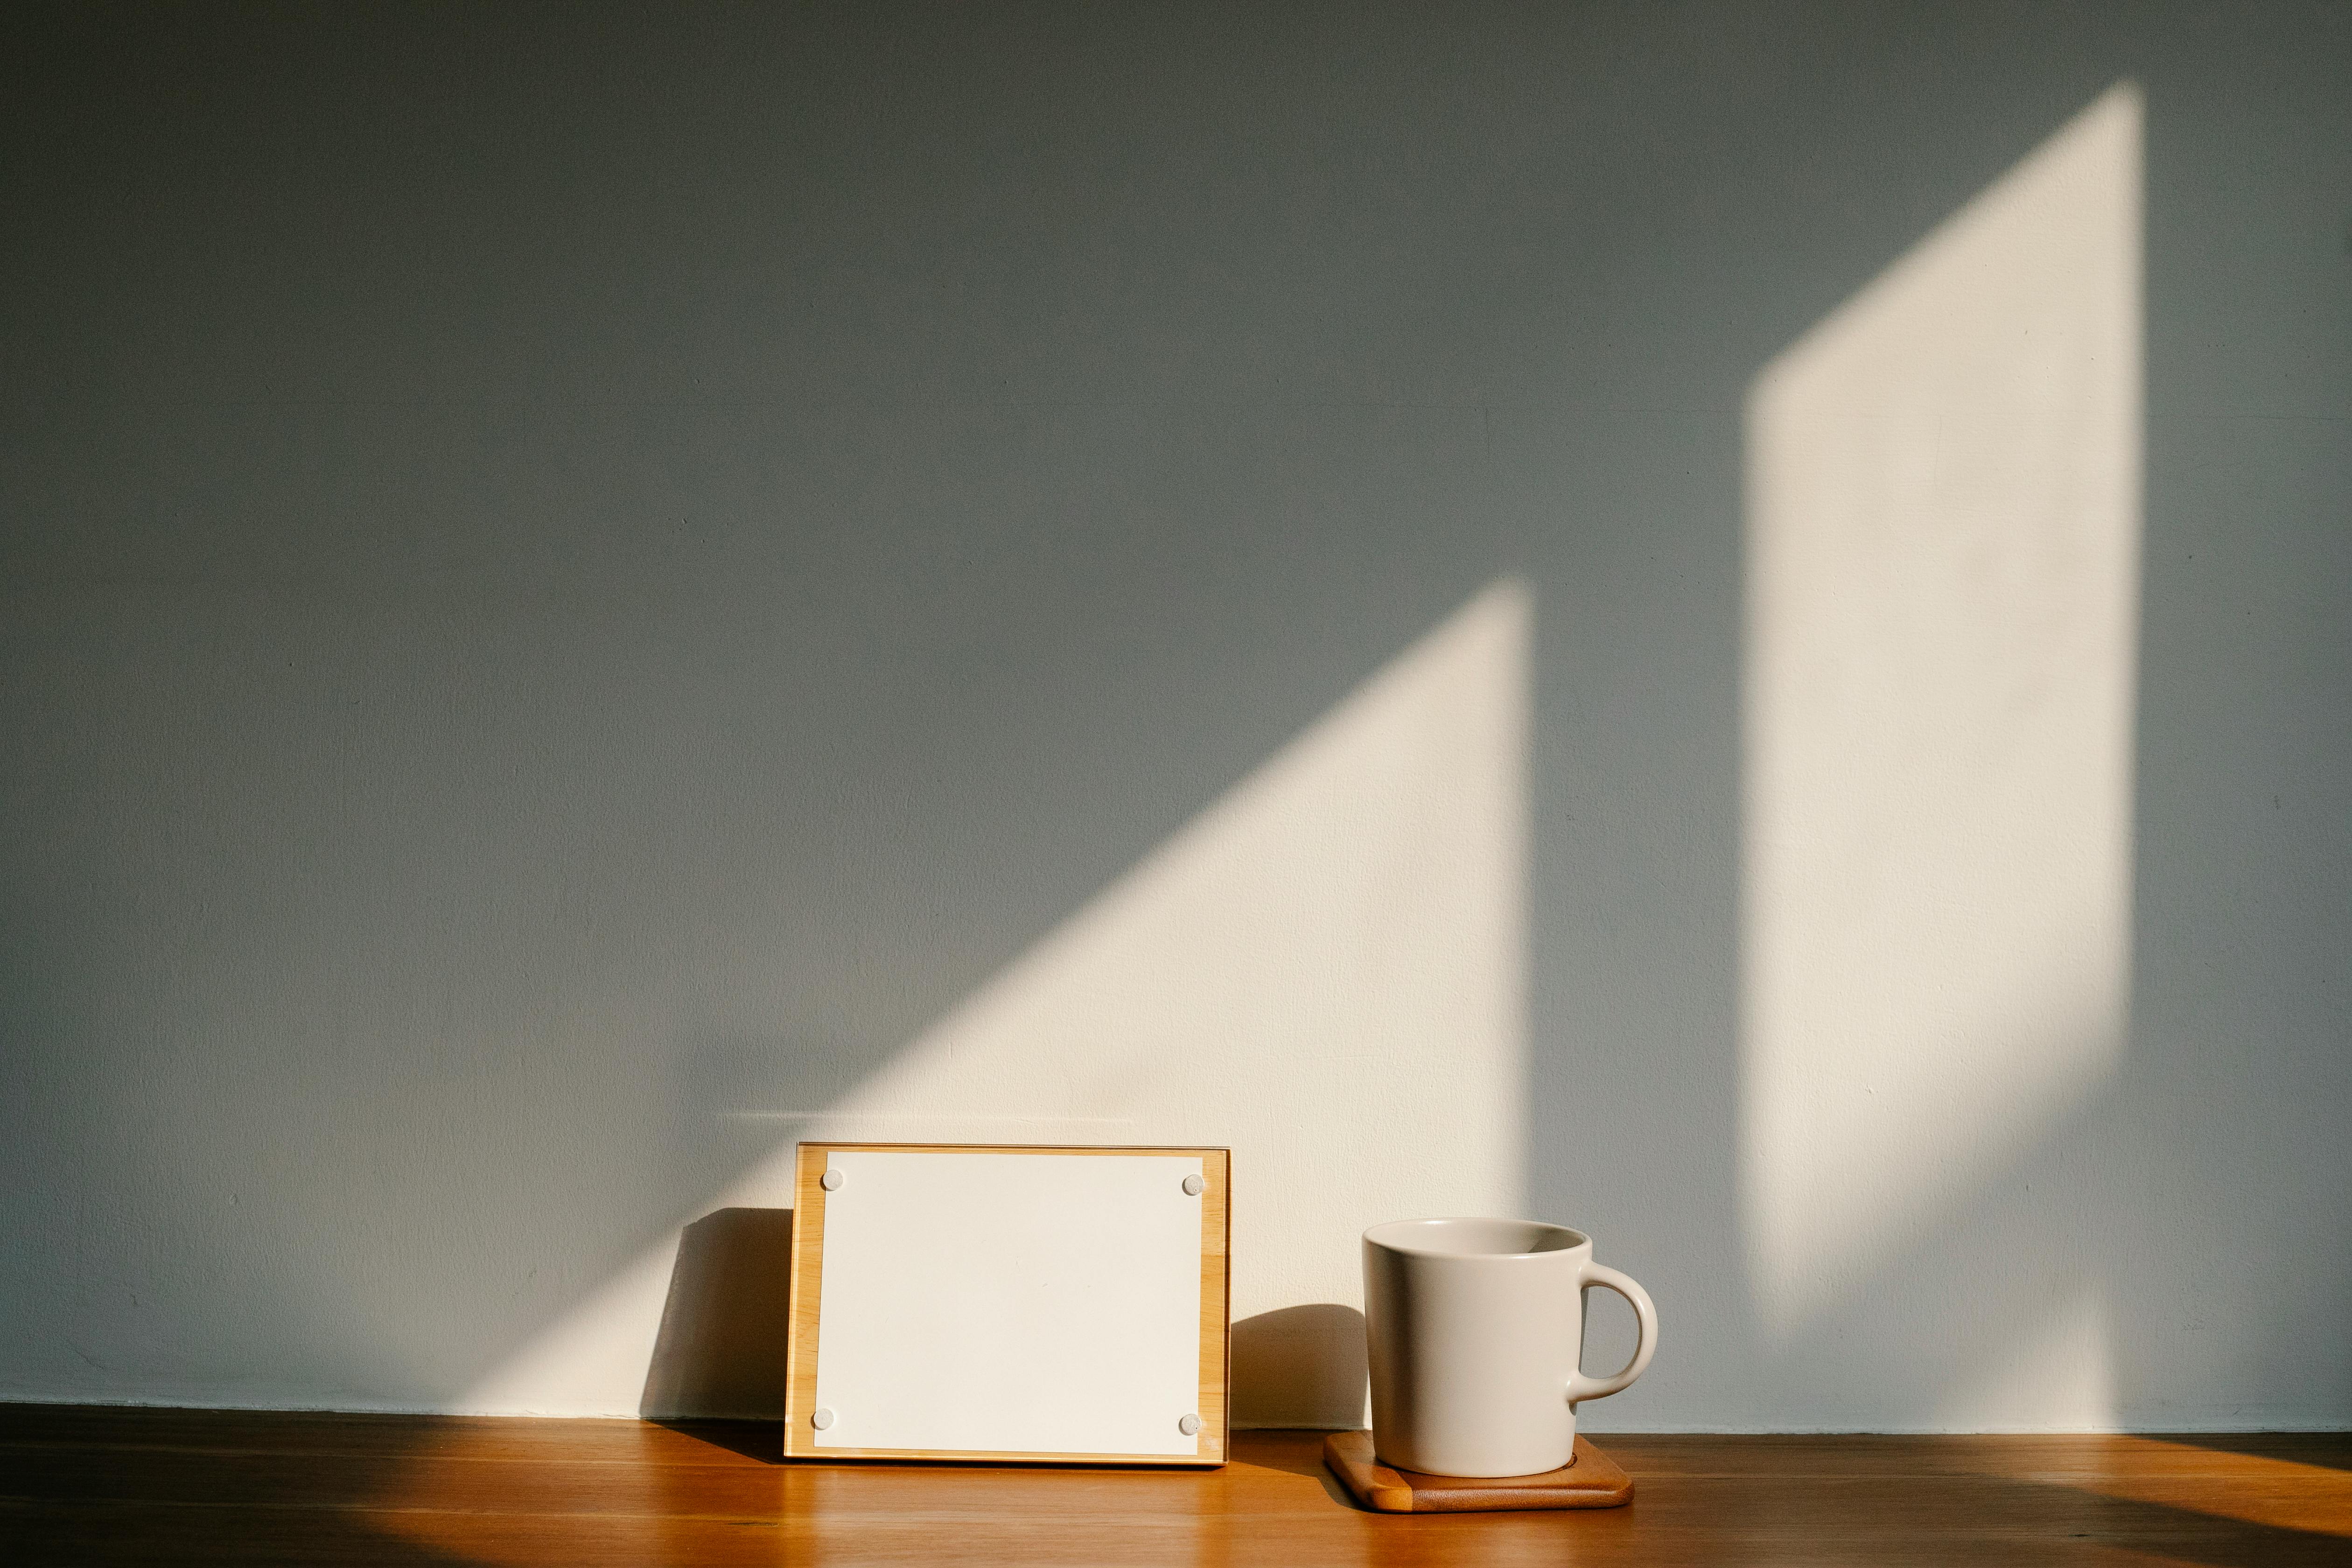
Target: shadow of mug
1300	1366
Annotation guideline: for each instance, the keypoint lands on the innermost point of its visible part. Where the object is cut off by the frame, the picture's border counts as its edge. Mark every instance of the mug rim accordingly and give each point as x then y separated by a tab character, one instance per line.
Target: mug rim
1379	1236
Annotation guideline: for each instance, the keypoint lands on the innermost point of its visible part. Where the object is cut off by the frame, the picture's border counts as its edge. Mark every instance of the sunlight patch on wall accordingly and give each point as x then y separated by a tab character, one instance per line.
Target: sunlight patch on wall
1943	532
1325	971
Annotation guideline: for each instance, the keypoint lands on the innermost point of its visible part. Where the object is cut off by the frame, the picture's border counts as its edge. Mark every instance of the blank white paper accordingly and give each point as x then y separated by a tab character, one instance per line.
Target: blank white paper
1044	1303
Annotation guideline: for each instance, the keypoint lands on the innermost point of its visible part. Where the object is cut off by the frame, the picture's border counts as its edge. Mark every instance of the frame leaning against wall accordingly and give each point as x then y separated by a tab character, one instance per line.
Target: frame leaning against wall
806	1328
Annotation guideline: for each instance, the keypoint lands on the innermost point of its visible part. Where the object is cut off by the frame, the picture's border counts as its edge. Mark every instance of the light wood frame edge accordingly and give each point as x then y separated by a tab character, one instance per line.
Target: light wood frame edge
805	1284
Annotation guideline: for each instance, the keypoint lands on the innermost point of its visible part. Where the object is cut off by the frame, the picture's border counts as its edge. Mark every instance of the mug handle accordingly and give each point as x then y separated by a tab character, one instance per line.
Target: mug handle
1581	1387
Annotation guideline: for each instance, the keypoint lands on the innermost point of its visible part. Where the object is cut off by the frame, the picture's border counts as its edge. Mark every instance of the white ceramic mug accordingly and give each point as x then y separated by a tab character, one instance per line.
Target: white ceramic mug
1473	1327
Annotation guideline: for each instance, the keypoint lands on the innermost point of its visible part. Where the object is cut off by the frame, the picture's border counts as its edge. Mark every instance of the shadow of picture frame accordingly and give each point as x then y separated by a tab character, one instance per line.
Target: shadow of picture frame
719	1352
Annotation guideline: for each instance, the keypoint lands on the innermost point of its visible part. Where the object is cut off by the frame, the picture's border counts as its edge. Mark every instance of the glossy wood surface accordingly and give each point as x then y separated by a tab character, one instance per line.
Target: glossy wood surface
82	1486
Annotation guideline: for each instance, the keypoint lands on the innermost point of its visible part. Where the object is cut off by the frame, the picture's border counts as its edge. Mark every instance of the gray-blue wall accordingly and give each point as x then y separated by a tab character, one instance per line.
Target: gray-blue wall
564	568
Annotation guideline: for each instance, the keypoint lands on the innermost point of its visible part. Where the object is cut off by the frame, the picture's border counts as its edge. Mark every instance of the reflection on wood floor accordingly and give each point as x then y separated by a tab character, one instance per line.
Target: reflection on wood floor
93	1486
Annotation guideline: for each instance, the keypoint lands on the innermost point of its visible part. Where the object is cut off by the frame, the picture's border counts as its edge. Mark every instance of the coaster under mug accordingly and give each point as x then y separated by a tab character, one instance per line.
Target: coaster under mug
1592	1479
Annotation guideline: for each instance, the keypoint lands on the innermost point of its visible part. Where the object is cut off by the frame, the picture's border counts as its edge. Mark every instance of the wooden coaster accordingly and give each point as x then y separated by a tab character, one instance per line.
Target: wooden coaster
1589	1479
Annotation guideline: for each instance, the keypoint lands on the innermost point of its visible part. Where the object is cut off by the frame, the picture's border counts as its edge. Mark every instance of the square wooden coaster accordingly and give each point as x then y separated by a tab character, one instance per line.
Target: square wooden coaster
1589	1479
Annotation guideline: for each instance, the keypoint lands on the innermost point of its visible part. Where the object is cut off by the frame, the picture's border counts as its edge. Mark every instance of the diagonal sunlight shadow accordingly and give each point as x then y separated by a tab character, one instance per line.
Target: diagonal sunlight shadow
1944	517
2287	1481
1325	969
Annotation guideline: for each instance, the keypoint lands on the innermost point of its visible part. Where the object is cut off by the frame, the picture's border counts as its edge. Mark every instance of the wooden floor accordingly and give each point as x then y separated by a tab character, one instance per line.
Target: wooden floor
84	1486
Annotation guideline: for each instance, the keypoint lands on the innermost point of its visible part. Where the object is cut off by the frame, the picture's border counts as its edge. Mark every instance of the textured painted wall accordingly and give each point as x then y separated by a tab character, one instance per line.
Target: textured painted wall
583	591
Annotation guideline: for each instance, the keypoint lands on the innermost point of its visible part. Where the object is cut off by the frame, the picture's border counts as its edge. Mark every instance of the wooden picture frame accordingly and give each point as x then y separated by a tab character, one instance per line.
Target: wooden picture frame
806	1439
